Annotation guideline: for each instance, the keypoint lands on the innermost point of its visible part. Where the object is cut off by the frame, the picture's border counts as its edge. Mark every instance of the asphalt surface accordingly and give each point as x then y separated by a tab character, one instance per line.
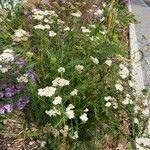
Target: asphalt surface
142	28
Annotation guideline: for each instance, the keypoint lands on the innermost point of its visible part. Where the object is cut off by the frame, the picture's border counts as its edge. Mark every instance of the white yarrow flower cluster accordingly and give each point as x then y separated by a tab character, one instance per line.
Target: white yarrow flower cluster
84	117
4	69
95	60
108	99
124	72
6	56
23	78
39	26
111	101
127	100
79	68
20	35
57	100
60	82
108	62
74	92
47	91
131	84
75	135
67	29
61	70
85	30
69	111
53	112
77	14
52	34
119	86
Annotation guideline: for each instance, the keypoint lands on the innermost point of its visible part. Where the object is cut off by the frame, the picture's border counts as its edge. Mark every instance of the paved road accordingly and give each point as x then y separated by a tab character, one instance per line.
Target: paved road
142	13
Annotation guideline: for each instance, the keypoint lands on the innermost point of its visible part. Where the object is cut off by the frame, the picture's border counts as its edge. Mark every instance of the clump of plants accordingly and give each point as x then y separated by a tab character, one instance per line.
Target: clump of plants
74	75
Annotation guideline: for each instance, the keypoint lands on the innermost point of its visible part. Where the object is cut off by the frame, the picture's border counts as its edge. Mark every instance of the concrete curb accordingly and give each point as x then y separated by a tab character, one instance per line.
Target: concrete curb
137	74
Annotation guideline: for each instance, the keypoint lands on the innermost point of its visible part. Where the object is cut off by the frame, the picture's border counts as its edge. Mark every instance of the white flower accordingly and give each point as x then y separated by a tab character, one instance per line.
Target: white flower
107	98
84	117
60	82
43	143
108	104
86	110
79	67
57	100
74	92
39	26
124	72
108	62
104	5
67	29
77	14
69	112
47	26
6	57
127	100
75	136
70	106
131	84
85	30
8	51
23	78
117	21
103	32
4	69
38	17
52	33
20	33
102	19
61	69
98	12
136	120
46	20
95	60
53	112
93	26
119	87
47	91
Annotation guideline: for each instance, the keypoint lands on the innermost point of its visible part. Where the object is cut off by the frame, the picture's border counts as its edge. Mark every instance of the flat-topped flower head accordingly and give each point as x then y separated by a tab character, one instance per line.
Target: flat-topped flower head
52	34
20	35
74	92
61	70
84	117
95	60
79	68
53	112
6	57
57	100
70	112
76	14
60	82
108	62
47	91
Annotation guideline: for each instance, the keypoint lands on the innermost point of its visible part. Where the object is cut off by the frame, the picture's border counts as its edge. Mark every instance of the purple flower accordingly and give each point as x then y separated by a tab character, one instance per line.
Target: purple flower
62	1
8	94
2	110
22	102
1	94
8	108
21	61
31	74
126	1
